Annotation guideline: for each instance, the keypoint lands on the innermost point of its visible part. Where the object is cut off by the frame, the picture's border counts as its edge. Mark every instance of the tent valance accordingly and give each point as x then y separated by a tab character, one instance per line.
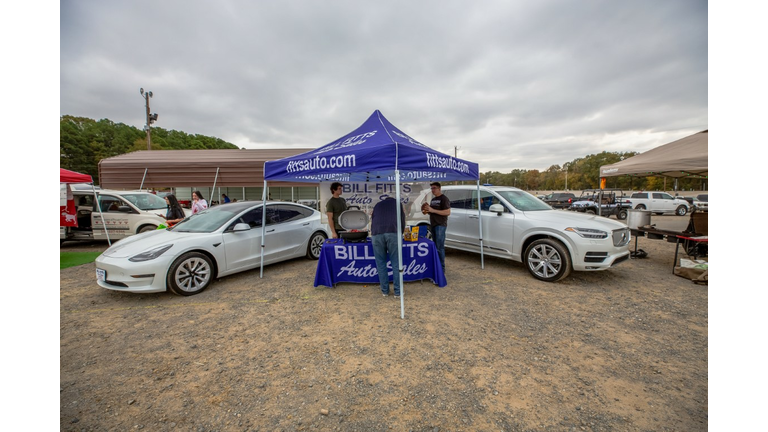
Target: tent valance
68	176
375	151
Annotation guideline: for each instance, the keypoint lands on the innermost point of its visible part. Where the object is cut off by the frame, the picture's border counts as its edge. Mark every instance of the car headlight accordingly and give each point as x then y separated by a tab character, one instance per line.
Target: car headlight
150	254
588	232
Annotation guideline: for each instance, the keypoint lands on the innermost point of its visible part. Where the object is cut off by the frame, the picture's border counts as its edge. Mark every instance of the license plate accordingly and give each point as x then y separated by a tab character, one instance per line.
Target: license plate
101	275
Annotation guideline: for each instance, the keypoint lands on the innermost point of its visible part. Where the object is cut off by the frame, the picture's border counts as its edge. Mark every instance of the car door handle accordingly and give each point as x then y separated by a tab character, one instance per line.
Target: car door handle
305	224
272	230
474	217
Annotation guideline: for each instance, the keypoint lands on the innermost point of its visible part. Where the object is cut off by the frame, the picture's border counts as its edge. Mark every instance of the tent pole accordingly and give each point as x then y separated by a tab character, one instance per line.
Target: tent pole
263	226
480	218
142	179
400	245
98	206
213	190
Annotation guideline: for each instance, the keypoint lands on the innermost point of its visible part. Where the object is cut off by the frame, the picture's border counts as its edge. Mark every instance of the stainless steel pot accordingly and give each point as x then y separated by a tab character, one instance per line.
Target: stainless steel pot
354	219
638	218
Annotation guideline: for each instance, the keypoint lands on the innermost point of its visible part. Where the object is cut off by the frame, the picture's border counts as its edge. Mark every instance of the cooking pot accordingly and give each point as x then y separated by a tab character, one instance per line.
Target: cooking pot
638	218
354	219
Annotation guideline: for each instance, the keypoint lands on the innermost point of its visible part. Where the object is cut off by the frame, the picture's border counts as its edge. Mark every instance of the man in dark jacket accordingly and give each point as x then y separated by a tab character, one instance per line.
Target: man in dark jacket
384	233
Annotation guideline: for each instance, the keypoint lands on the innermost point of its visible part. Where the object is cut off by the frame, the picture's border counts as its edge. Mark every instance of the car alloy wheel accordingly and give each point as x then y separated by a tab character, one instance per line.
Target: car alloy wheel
315	245
548	260
190	274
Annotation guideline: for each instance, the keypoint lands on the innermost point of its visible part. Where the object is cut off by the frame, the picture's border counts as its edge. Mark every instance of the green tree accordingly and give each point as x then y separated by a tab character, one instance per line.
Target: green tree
83	142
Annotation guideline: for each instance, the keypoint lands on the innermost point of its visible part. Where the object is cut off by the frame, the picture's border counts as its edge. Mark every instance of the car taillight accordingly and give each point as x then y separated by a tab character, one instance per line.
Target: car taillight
570	200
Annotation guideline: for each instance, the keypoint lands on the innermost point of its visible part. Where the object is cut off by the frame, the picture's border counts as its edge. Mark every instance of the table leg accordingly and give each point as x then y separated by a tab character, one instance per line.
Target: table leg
677	246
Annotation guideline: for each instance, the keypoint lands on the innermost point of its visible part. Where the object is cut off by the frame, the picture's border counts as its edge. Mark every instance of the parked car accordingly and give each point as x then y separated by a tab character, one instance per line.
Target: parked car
125	213
214	243
659	203
559	200
309	203
701	202
605	202
520	227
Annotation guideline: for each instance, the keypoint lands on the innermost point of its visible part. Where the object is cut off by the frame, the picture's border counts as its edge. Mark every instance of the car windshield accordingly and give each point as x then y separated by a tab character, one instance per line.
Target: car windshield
146	201
209	220
523	200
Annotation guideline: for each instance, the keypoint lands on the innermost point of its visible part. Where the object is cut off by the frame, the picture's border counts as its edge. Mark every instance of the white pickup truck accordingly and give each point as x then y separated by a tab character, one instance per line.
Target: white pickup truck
659	203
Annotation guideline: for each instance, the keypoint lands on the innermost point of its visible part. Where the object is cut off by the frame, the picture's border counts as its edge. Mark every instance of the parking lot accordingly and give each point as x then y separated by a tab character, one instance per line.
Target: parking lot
624	349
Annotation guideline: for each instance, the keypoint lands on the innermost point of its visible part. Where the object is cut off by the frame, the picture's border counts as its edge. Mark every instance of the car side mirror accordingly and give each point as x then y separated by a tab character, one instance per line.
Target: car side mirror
242	226
124	209
497	208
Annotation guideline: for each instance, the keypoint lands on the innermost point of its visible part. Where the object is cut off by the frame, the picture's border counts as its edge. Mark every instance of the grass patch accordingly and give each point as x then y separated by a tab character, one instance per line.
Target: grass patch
71	259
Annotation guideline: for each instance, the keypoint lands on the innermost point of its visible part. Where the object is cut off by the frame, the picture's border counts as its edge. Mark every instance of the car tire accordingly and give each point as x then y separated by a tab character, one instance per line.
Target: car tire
640	207
589	211
315	245
681	211
145	228
622	215
548	260
190	274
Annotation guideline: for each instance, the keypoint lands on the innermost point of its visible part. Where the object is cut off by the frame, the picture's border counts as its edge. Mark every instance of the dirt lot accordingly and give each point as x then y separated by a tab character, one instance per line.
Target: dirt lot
624	349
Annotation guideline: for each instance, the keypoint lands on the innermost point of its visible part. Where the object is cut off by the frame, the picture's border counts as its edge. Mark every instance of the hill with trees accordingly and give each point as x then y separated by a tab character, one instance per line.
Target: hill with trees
84	142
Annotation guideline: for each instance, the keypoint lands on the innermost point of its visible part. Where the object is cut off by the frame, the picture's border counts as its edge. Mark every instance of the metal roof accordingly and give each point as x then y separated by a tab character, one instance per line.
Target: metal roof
190	168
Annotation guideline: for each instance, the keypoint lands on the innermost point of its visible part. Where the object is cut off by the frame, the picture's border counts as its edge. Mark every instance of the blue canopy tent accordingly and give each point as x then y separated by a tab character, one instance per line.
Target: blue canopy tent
375	151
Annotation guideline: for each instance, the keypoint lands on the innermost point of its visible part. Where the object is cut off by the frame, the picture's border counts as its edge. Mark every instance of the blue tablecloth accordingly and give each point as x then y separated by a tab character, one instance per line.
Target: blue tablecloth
354	262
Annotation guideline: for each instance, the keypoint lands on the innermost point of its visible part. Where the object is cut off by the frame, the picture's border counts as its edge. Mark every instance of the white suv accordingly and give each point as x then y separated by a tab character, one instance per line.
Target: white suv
125	213
520	227
658	202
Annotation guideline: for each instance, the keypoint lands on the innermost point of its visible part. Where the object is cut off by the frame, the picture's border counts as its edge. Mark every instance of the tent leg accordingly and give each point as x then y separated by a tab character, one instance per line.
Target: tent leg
480	218
400	228
263	226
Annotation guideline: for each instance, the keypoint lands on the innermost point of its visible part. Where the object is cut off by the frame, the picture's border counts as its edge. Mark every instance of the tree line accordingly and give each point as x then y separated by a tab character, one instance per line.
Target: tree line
584	173
84	142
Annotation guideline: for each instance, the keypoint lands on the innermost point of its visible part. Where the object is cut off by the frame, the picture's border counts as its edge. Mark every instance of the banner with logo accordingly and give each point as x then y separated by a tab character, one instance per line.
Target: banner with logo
377	150
366	195
354	262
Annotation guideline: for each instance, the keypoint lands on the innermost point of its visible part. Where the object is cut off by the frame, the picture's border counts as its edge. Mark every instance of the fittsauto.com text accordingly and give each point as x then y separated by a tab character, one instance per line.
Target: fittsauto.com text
435	161
344	161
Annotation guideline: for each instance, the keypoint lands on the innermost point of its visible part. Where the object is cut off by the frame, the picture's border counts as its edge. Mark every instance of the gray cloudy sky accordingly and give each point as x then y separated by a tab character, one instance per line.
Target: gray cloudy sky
512	84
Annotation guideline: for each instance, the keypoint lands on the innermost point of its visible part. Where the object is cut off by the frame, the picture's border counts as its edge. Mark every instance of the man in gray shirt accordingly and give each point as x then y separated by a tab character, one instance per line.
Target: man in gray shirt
334	207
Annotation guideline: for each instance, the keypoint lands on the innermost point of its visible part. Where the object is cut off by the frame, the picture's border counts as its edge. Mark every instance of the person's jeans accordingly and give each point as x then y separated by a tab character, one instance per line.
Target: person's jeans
438	236
385	246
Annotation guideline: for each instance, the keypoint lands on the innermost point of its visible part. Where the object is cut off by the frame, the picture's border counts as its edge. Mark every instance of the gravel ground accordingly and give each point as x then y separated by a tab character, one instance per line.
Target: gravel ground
625	349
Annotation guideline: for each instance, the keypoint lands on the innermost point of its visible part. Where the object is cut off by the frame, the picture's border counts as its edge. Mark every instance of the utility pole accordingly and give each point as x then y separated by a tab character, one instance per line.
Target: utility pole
151	118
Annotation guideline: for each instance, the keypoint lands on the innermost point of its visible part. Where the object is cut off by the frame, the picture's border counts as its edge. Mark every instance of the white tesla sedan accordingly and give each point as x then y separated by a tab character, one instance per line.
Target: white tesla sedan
216	242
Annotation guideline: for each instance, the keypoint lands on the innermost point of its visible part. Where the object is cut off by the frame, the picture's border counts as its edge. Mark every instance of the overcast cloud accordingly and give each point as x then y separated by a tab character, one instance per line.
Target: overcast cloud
511	84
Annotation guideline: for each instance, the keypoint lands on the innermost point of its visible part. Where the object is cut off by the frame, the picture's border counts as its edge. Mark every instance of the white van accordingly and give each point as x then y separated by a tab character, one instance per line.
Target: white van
125	213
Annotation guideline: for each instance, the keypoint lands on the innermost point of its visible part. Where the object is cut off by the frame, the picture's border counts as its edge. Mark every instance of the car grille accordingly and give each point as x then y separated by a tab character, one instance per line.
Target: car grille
621	237
595	257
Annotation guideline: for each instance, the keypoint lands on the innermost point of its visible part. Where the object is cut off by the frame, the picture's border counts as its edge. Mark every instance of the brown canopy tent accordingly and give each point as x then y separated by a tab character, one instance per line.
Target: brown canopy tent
189	168
686	157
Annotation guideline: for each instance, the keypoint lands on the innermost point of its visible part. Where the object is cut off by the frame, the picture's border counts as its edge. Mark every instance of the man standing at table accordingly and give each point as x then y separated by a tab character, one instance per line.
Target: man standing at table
439	208
334	207
384	235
